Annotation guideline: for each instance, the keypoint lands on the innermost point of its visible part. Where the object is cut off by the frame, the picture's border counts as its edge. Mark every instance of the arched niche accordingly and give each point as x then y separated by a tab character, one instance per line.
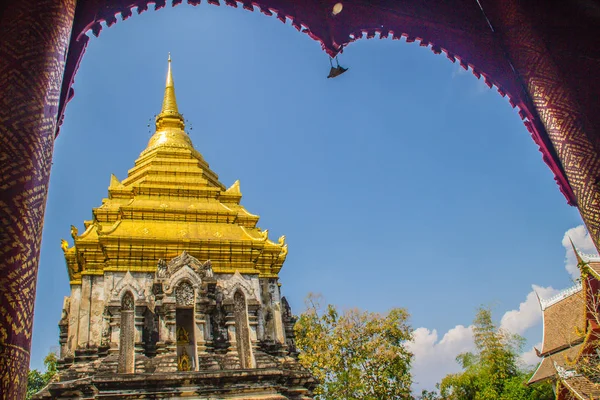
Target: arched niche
185	326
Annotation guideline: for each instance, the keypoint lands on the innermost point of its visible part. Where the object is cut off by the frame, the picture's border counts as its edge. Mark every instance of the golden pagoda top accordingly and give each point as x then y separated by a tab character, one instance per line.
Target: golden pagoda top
170	124
170	202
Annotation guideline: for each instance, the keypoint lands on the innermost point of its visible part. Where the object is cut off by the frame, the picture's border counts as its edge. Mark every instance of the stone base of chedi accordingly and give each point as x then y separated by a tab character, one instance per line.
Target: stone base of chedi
181	332
263	384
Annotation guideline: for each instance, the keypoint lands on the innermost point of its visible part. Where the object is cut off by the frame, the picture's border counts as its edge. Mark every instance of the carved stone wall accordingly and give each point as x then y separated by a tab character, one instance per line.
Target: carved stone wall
129	322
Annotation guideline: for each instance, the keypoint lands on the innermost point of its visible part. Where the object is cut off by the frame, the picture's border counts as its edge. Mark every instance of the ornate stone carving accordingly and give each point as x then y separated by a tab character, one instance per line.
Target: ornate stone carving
186	273
204	270
183	267
161	269
237	282
183	337
65	311
128	304
217	322
184	294
288	325
105	327
183	362
128	283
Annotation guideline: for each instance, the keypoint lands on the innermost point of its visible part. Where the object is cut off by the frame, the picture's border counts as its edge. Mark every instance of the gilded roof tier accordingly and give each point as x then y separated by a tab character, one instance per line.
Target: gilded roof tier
172	201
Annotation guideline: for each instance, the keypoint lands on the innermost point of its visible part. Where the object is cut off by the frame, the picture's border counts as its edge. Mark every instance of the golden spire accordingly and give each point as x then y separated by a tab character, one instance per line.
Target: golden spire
169	116
169	123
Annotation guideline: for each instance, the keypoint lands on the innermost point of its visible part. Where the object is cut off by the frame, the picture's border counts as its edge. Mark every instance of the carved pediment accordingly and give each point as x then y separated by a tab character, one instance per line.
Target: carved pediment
128	283
237	282
166	270
180	268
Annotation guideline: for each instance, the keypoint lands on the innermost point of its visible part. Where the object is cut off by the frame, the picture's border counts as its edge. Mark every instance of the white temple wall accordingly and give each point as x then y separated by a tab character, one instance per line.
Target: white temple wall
97	309
83	332
141	283
109	283
75	300
278	322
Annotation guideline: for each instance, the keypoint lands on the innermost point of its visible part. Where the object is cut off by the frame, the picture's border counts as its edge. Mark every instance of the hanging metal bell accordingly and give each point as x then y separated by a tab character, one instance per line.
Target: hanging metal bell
336	71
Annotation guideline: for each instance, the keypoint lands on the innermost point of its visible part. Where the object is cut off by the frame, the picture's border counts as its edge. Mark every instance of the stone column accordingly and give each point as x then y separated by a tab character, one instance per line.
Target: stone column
139	328
34	37
253	308
230	326
171	325
201	330
139	322
166	347
163	332
115	328
557	109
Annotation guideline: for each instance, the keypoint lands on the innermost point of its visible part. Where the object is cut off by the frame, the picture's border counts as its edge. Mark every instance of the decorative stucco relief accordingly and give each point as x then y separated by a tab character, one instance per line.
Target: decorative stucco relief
229	285
183	274
128	283
184	294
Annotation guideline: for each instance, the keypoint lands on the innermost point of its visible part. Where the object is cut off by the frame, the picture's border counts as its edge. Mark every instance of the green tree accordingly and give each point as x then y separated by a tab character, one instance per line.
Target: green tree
36	380
429	395
355	354
492	372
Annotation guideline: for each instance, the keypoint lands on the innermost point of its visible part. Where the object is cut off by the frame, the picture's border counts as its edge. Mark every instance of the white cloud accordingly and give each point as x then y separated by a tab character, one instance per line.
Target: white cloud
582	240
529	313
530	358
435	359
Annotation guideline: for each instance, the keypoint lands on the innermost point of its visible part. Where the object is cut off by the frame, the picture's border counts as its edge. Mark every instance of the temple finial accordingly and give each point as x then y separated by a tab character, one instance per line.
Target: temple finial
577	255
169	115
170	125
169	101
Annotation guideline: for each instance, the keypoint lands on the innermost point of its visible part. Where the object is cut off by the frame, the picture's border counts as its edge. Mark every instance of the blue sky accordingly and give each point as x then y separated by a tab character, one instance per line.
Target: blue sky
406	182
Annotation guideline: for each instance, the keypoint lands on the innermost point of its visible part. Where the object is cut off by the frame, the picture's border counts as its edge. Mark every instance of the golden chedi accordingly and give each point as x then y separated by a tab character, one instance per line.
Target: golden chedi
174	288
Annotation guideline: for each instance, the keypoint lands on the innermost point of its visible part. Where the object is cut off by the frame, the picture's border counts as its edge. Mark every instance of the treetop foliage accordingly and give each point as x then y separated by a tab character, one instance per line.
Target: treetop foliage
355	354
37	380
493	370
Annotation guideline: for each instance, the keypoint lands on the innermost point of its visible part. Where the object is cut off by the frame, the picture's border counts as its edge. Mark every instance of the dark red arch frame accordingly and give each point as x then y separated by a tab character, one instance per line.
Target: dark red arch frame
543	54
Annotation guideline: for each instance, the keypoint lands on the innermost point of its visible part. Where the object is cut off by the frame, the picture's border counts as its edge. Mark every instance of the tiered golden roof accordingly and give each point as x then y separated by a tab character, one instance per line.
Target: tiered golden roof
170	202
